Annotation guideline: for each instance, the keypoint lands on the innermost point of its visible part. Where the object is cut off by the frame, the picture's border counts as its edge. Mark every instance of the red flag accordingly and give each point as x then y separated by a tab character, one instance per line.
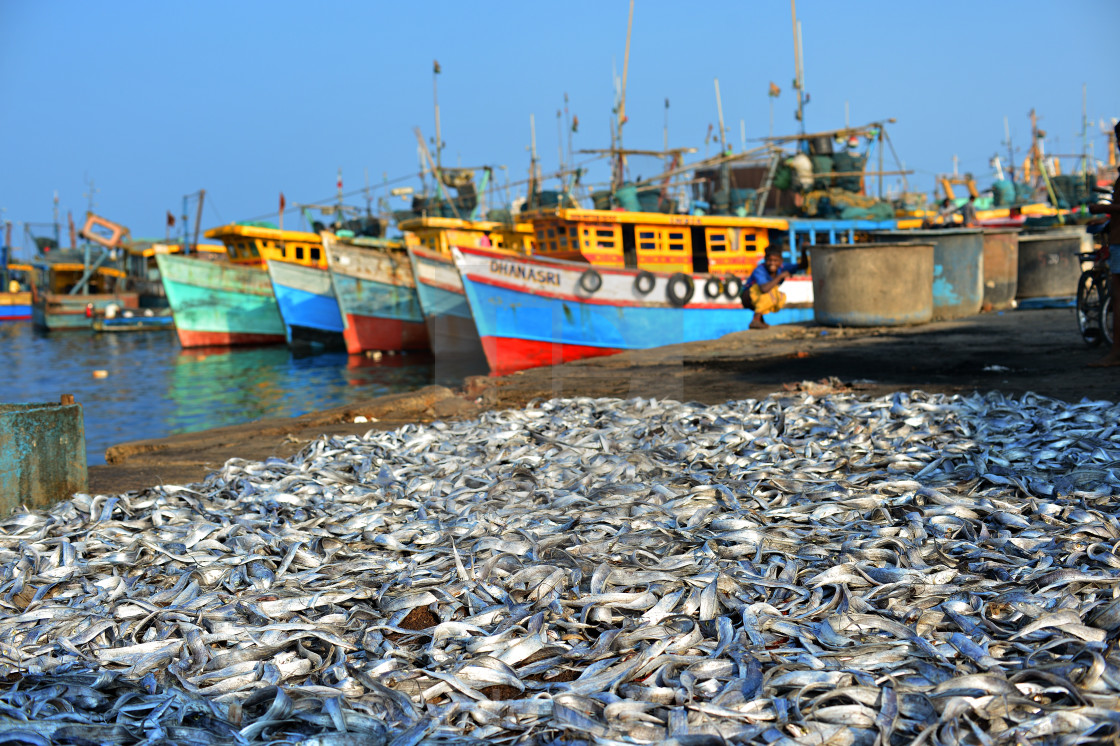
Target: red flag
281	202
170	219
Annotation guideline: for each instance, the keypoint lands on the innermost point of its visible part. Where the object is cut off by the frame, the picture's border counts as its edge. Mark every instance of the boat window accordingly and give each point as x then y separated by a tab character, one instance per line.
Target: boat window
717	242
552	245
646	235
299	252
676	236
572	231
314	254
551	233
563	241
283	251
604	233
253	249
647	246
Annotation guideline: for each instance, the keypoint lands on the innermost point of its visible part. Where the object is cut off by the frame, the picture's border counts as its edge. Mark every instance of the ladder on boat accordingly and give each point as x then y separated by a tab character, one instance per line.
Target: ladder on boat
764	190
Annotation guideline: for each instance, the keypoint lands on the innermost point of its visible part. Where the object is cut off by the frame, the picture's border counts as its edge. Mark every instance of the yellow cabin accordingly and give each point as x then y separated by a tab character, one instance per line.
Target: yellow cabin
441	234
256	245
654	241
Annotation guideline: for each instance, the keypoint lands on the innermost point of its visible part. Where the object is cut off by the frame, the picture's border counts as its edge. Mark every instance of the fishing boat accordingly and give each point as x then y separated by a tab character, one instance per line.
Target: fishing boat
451	329
376	292
228	300
15	285
307	304
15	292
70	288
602	281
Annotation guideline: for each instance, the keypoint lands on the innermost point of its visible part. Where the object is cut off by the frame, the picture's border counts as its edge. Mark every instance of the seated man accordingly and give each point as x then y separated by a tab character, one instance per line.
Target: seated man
761	292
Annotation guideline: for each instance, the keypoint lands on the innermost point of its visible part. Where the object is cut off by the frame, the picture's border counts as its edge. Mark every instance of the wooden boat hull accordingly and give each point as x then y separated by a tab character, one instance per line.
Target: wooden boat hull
58	312
531	311
220	304
447	315
307	304
15	306
377	297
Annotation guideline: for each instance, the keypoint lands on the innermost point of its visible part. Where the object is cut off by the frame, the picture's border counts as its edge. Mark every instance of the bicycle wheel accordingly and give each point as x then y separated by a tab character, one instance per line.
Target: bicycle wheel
1106	316
1089	308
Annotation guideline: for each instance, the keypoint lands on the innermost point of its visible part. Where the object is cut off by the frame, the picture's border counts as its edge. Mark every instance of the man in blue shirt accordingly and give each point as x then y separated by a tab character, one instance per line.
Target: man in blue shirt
761	292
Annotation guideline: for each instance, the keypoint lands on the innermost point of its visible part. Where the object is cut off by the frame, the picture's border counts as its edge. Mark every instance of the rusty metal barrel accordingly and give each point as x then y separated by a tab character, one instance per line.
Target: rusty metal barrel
42	453
1049	266
872	284
1001	268
958	268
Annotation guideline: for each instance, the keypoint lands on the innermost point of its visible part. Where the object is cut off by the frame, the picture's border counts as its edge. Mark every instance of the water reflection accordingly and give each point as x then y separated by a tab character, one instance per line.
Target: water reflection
211	387
153	388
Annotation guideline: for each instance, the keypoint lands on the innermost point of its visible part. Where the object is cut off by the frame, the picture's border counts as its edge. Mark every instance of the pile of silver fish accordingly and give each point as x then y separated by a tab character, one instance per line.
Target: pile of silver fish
801	569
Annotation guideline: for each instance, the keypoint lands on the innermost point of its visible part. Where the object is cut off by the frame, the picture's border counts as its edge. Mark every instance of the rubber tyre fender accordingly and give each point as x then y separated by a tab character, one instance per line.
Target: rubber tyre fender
640	282
679	300
711	293
590	281
732	287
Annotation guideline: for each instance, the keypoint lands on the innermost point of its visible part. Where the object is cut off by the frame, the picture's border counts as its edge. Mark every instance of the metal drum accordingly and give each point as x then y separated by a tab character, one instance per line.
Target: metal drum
872	284
1048	263
958	268
1001	268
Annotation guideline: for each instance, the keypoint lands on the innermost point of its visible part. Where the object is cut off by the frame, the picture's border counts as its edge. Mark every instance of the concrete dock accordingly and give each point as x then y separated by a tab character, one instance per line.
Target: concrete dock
1011	351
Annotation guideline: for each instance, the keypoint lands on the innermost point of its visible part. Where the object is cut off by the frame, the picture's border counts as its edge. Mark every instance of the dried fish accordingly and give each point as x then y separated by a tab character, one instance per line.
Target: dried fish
814	567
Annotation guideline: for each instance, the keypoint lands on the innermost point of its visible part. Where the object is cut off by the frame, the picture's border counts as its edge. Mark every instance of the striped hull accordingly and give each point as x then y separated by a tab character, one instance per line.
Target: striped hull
217	303
15	306
451	328
533	312
307	304
57	312
377	296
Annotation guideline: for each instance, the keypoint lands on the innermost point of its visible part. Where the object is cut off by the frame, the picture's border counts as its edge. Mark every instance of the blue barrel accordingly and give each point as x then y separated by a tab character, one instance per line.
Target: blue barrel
42	454
958	268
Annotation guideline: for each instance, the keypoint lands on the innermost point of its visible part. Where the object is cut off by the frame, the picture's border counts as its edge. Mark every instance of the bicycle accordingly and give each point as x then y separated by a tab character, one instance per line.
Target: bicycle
1094	298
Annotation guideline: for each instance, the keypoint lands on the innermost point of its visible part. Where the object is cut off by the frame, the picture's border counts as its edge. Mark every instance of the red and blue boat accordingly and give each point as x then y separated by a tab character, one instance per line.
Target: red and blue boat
604	281
376	292
15	293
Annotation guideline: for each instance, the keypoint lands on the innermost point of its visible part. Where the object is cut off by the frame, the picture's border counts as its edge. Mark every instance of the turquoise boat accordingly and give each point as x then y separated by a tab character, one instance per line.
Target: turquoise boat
224	299
218	304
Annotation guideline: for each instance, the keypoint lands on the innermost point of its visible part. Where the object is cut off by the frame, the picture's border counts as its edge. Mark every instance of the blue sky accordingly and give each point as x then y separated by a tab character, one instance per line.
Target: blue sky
247	99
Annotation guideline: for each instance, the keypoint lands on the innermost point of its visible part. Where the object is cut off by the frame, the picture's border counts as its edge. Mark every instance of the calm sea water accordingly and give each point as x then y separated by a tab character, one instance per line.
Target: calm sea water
155	388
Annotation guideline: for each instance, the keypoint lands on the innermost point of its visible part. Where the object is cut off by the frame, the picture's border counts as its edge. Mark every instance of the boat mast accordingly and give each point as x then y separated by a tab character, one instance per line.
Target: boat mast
435	98
797	66
620	163
57	234
198	218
